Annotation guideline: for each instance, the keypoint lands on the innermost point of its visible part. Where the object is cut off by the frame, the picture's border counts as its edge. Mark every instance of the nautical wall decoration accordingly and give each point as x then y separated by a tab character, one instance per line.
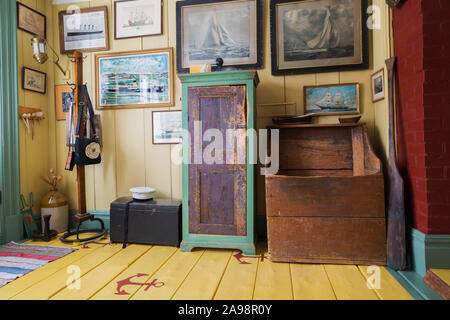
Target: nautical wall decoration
332	99
229	29
84	30
34	80
319	36
31	21
167	127
137	18
138	79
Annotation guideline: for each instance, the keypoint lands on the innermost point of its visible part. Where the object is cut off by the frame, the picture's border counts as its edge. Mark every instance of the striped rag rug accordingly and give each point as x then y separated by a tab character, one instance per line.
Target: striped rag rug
19	259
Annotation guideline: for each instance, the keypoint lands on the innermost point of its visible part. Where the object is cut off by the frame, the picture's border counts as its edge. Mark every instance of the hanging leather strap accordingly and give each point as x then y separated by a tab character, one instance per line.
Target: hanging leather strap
81	105
125	224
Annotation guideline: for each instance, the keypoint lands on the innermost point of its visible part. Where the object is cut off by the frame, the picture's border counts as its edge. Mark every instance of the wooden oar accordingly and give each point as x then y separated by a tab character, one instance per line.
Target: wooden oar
396	247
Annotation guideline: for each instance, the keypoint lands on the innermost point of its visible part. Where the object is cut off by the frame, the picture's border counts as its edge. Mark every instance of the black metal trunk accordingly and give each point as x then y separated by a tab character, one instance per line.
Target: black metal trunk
156	222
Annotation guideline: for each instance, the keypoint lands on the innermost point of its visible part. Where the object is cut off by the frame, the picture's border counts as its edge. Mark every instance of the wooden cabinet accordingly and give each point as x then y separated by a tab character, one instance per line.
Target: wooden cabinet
218	176
326	204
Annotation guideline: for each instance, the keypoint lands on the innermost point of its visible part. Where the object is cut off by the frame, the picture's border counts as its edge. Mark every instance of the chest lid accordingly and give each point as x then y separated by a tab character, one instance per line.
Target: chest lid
151	206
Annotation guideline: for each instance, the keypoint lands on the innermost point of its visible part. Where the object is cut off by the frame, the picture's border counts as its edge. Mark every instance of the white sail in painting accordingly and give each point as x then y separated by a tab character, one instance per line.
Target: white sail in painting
329	37
217	35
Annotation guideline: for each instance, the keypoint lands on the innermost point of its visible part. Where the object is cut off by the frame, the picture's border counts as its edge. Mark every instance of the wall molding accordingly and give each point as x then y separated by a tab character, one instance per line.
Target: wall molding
11	227
427	251
104	215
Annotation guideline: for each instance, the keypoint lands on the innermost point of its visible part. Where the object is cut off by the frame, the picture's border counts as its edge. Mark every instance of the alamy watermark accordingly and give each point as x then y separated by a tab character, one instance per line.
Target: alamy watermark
229	147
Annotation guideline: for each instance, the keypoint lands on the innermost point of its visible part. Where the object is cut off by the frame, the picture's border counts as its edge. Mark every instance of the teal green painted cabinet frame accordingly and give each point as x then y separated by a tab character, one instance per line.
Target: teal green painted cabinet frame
245	243
11	227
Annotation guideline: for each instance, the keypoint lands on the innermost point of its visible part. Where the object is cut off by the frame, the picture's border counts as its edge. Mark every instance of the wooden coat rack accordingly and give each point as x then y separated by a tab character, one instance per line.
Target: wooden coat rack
81	177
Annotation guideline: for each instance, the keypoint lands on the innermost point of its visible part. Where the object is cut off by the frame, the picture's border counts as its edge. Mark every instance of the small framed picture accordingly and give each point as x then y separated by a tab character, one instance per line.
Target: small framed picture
84	30
332	99
63	100
137	79
31	21
34	80
167	127
378	91
137	18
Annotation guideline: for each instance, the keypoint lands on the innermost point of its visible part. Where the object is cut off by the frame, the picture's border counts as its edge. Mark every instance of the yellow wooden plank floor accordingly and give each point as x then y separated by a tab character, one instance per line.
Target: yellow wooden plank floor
162	273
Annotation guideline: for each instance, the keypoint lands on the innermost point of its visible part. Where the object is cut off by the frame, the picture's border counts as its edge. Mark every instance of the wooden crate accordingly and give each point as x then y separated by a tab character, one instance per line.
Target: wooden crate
326	204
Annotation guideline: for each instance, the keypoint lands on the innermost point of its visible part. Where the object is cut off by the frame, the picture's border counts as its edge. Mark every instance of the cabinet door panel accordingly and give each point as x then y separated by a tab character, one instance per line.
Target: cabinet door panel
218	188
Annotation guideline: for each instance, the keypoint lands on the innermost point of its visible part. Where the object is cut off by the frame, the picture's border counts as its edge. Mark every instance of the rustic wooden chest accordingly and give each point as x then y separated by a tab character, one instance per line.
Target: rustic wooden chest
326	204
156	222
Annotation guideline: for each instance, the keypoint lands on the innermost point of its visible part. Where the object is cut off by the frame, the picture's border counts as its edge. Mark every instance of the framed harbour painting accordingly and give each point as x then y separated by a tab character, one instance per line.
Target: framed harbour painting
377	81
167	127
137	18
332	99
34	80
84	30
138	79
227	29
31	21
310	36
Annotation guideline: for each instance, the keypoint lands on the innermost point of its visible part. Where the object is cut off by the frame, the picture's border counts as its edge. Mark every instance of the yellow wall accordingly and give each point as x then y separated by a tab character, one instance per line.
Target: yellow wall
34	154
130	159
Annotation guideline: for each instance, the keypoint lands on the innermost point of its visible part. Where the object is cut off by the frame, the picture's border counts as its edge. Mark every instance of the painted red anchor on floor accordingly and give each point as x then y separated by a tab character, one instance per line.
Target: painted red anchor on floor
104	244
128	282
240	256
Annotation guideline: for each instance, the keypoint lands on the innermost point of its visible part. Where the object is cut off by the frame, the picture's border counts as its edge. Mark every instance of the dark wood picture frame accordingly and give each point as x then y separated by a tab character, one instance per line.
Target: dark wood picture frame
23	28
62	14
24	85
169	51
258	35
117	3
372	85
358	99
276	70
153	126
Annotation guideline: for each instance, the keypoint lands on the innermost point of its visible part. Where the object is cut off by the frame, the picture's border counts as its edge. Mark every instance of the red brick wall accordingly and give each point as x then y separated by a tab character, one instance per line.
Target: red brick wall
422	44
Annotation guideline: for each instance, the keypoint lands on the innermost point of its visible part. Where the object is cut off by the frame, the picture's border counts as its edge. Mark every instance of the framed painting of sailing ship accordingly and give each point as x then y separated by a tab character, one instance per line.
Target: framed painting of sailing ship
138	79
167	127
227	29
310	36
84	30
332	99
137	18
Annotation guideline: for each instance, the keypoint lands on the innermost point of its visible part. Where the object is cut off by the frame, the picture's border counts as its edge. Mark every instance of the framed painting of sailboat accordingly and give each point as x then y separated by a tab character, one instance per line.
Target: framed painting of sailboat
137	18
310	36
227	29
332	99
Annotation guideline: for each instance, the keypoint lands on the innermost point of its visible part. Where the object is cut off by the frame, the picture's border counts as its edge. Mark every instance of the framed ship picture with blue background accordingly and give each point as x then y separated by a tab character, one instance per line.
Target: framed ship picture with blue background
332	99
310	36
138	79
227	29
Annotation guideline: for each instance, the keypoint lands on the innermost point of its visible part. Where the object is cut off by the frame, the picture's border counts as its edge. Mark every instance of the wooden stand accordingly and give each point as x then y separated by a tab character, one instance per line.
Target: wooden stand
81	178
